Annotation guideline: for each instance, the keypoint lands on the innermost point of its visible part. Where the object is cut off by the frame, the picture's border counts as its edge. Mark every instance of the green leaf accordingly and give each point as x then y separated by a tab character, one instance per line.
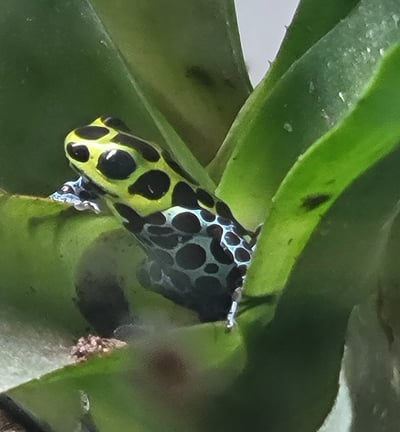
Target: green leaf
164	373
298	355
319	90
60	68
187	57
59	71
312	20
294	360
62	274
40	248
369	133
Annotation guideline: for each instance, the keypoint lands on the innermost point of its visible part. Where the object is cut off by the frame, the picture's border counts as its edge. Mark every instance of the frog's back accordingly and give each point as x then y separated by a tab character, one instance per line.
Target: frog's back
198	253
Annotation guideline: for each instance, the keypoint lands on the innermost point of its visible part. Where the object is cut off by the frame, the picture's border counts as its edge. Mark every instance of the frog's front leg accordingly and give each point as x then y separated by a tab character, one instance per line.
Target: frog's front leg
236	299
77	193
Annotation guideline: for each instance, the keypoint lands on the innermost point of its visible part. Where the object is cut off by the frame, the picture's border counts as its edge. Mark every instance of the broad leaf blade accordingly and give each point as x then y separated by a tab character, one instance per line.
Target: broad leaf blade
170	374
187	57
297	355
312	21
60	69
64	273
369	133
317	92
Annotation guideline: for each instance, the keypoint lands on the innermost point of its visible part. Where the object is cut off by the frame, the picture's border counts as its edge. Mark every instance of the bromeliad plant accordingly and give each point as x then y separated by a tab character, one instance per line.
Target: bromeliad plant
312	153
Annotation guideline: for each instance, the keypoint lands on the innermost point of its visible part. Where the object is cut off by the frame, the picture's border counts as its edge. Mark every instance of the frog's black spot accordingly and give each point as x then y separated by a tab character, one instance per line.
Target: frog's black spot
152	185
242	269
165	242
205	198
239	230
311	202
146	150
156	218
164	257
86	195
216	308
234	278
221	255
91	132
224	221
224	211
159	230
246	245
180	280
199	74
211	268
242	255
184	196
134	222
115	123
207	285
78	152
186	222
116	164
177	168
232	239
191	256
207	216
214	231
155	272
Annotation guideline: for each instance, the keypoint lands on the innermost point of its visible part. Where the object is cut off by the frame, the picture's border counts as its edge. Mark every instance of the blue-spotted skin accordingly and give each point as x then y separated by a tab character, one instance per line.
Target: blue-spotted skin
198	253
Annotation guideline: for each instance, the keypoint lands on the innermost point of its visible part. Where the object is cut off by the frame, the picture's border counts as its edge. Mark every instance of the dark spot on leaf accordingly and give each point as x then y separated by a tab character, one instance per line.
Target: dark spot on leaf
229	83
311	202
199	74
167	367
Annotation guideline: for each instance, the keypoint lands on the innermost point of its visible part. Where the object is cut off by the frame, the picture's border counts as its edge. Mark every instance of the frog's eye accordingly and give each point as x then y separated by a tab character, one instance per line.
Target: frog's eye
78	152
116	164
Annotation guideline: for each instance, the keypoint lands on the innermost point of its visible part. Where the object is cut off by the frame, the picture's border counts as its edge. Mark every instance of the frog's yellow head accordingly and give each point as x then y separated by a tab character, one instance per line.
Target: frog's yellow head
124	168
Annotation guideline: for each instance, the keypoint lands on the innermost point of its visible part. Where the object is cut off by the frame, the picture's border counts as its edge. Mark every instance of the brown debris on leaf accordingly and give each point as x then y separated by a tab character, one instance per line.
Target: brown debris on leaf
91	346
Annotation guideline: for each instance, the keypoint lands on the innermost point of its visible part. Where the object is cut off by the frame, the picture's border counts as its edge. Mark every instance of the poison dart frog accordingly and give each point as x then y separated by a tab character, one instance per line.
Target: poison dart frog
197	252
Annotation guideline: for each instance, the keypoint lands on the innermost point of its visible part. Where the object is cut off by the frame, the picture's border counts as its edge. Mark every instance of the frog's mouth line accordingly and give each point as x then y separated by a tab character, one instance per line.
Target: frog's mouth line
90	185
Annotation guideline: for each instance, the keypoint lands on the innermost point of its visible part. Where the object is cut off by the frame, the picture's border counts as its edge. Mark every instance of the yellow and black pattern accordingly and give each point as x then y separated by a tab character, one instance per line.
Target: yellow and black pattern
198	253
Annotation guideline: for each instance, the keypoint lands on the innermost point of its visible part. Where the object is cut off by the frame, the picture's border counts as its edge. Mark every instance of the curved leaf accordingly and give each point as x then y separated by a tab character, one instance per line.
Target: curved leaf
188	59
294	360
60	69
63	273
317	91
369	133
169	374
312	20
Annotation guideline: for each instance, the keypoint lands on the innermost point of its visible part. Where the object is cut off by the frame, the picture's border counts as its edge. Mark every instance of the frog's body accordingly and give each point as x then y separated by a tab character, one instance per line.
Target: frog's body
198	253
